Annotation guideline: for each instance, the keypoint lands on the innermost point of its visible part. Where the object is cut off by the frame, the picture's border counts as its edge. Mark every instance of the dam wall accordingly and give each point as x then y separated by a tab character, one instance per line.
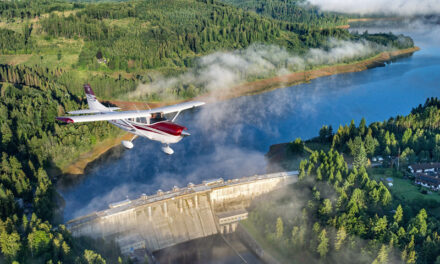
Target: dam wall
179	215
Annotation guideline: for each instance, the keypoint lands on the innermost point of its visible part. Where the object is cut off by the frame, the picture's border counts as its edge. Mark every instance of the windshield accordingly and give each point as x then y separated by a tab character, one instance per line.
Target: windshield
157	117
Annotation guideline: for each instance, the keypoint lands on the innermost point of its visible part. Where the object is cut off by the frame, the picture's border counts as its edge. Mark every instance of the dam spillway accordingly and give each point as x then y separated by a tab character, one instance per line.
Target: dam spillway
168	218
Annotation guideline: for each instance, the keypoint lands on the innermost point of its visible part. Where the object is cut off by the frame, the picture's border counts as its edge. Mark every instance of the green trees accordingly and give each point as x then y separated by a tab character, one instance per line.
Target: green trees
323	247
326	207
340	237
279	228
10	244
297	146
32	142
350	213
382	257
91	257
38	242
293	11
414	137
360	159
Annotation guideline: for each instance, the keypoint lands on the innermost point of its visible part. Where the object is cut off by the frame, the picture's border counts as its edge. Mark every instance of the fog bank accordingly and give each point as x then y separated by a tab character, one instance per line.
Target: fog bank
221	71
386	7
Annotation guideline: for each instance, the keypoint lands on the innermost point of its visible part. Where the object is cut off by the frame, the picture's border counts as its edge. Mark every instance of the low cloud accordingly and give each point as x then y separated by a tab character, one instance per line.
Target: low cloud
390	7
222	71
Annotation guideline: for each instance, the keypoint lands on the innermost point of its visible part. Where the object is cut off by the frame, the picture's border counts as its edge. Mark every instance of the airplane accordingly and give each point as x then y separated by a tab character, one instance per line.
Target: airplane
151	124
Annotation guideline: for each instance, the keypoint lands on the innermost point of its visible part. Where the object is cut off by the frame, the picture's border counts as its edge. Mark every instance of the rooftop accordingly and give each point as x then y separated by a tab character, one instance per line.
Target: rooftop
428	178
424	166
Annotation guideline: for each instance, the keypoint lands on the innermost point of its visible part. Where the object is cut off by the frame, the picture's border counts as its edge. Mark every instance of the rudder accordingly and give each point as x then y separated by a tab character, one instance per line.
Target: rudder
94	104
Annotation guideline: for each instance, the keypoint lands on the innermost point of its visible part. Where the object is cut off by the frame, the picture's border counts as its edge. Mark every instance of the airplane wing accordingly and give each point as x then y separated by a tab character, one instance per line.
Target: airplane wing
90	111
106	116
176	108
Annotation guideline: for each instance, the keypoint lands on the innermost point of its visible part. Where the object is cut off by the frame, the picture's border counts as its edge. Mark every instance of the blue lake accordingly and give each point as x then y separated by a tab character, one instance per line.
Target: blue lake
229	139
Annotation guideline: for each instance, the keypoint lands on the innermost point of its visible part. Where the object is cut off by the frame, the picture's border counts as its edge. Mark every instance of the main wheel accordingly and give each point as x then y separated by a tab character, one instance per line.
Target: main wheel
167	149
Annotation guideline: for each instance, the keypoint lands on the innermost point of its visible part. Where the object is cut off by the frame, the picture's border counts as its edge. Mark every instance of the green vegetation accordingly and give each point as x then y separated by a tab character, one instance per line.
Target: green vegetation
50	48
295	11
28	9
415	136
30	144
132	41
406	192
334	213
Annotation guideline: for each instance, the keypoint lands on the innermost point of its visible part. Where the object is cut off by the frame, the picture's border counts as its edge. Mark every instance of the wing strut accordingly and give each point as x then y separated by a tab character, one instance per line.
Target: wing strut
174	118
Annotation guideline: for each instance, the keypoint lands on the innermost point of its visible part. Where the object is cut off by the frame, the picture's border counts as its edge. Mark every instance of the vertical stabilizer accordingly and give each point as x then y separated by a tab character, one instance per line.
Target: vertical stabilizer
94	104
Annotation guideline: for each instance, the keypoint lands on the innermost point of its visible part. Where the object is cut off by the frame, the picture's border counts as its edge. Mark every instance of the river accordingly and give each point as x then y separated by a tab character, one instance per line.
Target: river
229	139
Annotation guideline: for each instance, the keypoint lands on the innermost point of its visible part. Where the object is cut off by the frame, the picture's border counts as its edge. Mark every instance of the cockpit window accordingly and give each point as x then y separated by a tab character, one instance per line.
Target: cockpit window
157	117
142	120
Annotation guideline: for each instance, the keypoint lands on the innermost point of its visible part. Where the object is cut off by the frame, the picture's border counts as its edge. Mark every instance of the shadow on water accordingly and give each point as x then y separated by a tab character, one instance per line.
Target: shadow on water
67	181
212	249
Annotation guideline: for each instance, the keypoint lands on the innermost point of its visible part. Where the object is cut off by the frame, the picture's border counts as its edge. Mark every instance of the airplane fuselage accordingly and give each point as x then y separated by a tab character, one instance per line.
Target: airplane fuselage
151	124
165	132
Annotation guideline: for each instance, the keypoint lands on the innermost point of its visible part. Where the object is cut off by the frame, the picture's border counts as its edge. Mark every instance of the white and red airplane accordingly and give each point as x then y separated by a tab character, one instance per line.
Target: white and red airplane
151	124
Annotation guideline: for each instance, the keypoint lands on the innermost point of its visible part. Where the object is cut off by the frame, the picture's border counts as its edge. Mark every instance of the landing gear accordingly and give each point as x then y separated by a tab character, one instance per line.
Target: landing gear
166	148
128	144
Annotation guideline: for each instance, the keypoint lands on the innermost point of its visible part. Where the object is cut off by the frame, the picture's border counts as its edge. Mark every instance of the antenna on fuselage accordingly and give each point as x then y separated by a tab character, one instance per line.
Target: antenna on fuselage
148	106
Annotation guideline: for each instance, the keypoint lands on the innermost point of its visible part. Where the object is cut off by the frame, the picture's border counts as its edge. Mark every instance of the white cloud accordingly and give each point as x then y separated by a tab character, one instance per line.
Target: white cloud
392	7
221	71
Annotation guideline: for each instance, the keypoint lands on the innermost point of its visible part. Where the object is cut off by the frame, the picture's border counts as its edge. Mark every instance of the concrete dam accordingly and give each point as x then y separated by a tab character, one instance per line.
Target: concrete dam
154	222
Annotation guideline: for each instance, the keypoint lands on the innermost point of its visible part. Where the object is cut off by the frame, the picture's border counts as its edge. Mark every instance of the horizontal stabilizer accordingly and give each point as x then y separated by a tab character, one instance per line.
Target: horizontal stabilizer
90	111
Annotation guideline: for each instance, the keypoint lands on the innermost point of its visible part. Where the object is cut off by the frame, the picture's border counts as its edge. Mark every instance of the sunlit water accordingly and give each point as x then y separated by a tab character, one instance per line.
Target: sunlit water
229	139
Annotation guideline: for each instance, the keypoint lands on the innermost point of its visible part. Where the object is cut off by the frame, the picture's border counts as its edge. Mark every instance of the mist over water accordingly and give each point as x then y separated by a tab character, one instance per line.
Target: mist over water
220	72
229	139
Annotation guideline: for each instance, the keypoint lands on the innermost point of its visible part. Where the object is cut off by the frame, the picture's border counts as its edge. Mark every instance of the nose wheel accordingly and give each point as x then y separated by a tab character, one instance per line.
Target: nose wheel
166	148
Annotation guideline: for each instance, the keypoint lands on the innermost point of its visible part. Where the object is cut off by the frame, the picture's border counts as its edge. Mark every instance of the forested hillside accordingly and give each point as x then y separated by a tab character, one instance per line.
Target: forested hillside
338	212
295	11
30	143
415	137
128	42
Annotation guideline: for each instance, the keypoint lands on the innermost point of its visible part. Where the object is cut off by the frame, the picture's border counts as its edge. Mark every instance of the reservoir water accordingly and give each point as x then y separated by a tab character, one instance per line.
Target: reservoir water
229	139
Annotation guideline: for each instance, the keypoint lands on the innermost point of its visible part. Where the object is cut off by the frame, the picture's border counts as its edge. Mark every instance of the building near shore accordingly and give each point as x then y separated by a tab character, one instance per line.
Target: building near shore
424	167
429	180
426	174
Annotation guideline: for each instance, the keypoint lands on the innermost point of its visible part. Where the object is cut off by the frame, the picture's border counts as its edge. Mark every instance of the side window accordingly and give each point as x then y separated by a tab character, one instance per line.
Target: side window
138	119
143	120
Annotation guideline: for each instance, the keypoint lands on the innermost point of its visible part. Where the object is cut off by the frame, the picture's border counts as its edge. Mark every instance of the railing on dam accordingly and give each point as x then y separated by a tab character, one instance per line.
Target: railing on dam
206	185
181	214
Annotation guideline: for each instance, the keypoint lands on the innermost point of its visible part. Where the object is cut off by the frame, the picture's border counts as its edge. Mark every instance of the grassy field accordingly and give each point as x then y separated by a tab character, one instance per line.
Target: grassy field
406	193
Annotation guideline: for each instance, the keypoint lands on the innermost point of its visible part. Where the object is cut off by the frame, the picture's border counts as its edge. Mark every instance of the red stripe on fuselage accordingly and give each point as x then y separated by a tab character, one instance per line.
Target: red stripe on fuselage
165	127
169	128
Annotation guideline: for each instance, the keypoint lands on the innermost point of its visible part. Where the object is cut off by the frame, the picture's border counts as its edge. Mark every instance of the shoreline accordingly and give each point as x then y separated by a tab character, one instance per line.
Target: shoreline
78	166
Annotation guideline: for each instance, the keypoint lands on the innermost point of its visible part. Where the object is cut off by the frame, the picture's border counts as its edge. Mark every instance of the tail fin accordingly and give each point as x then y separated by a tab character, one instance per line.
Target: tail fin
94	104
